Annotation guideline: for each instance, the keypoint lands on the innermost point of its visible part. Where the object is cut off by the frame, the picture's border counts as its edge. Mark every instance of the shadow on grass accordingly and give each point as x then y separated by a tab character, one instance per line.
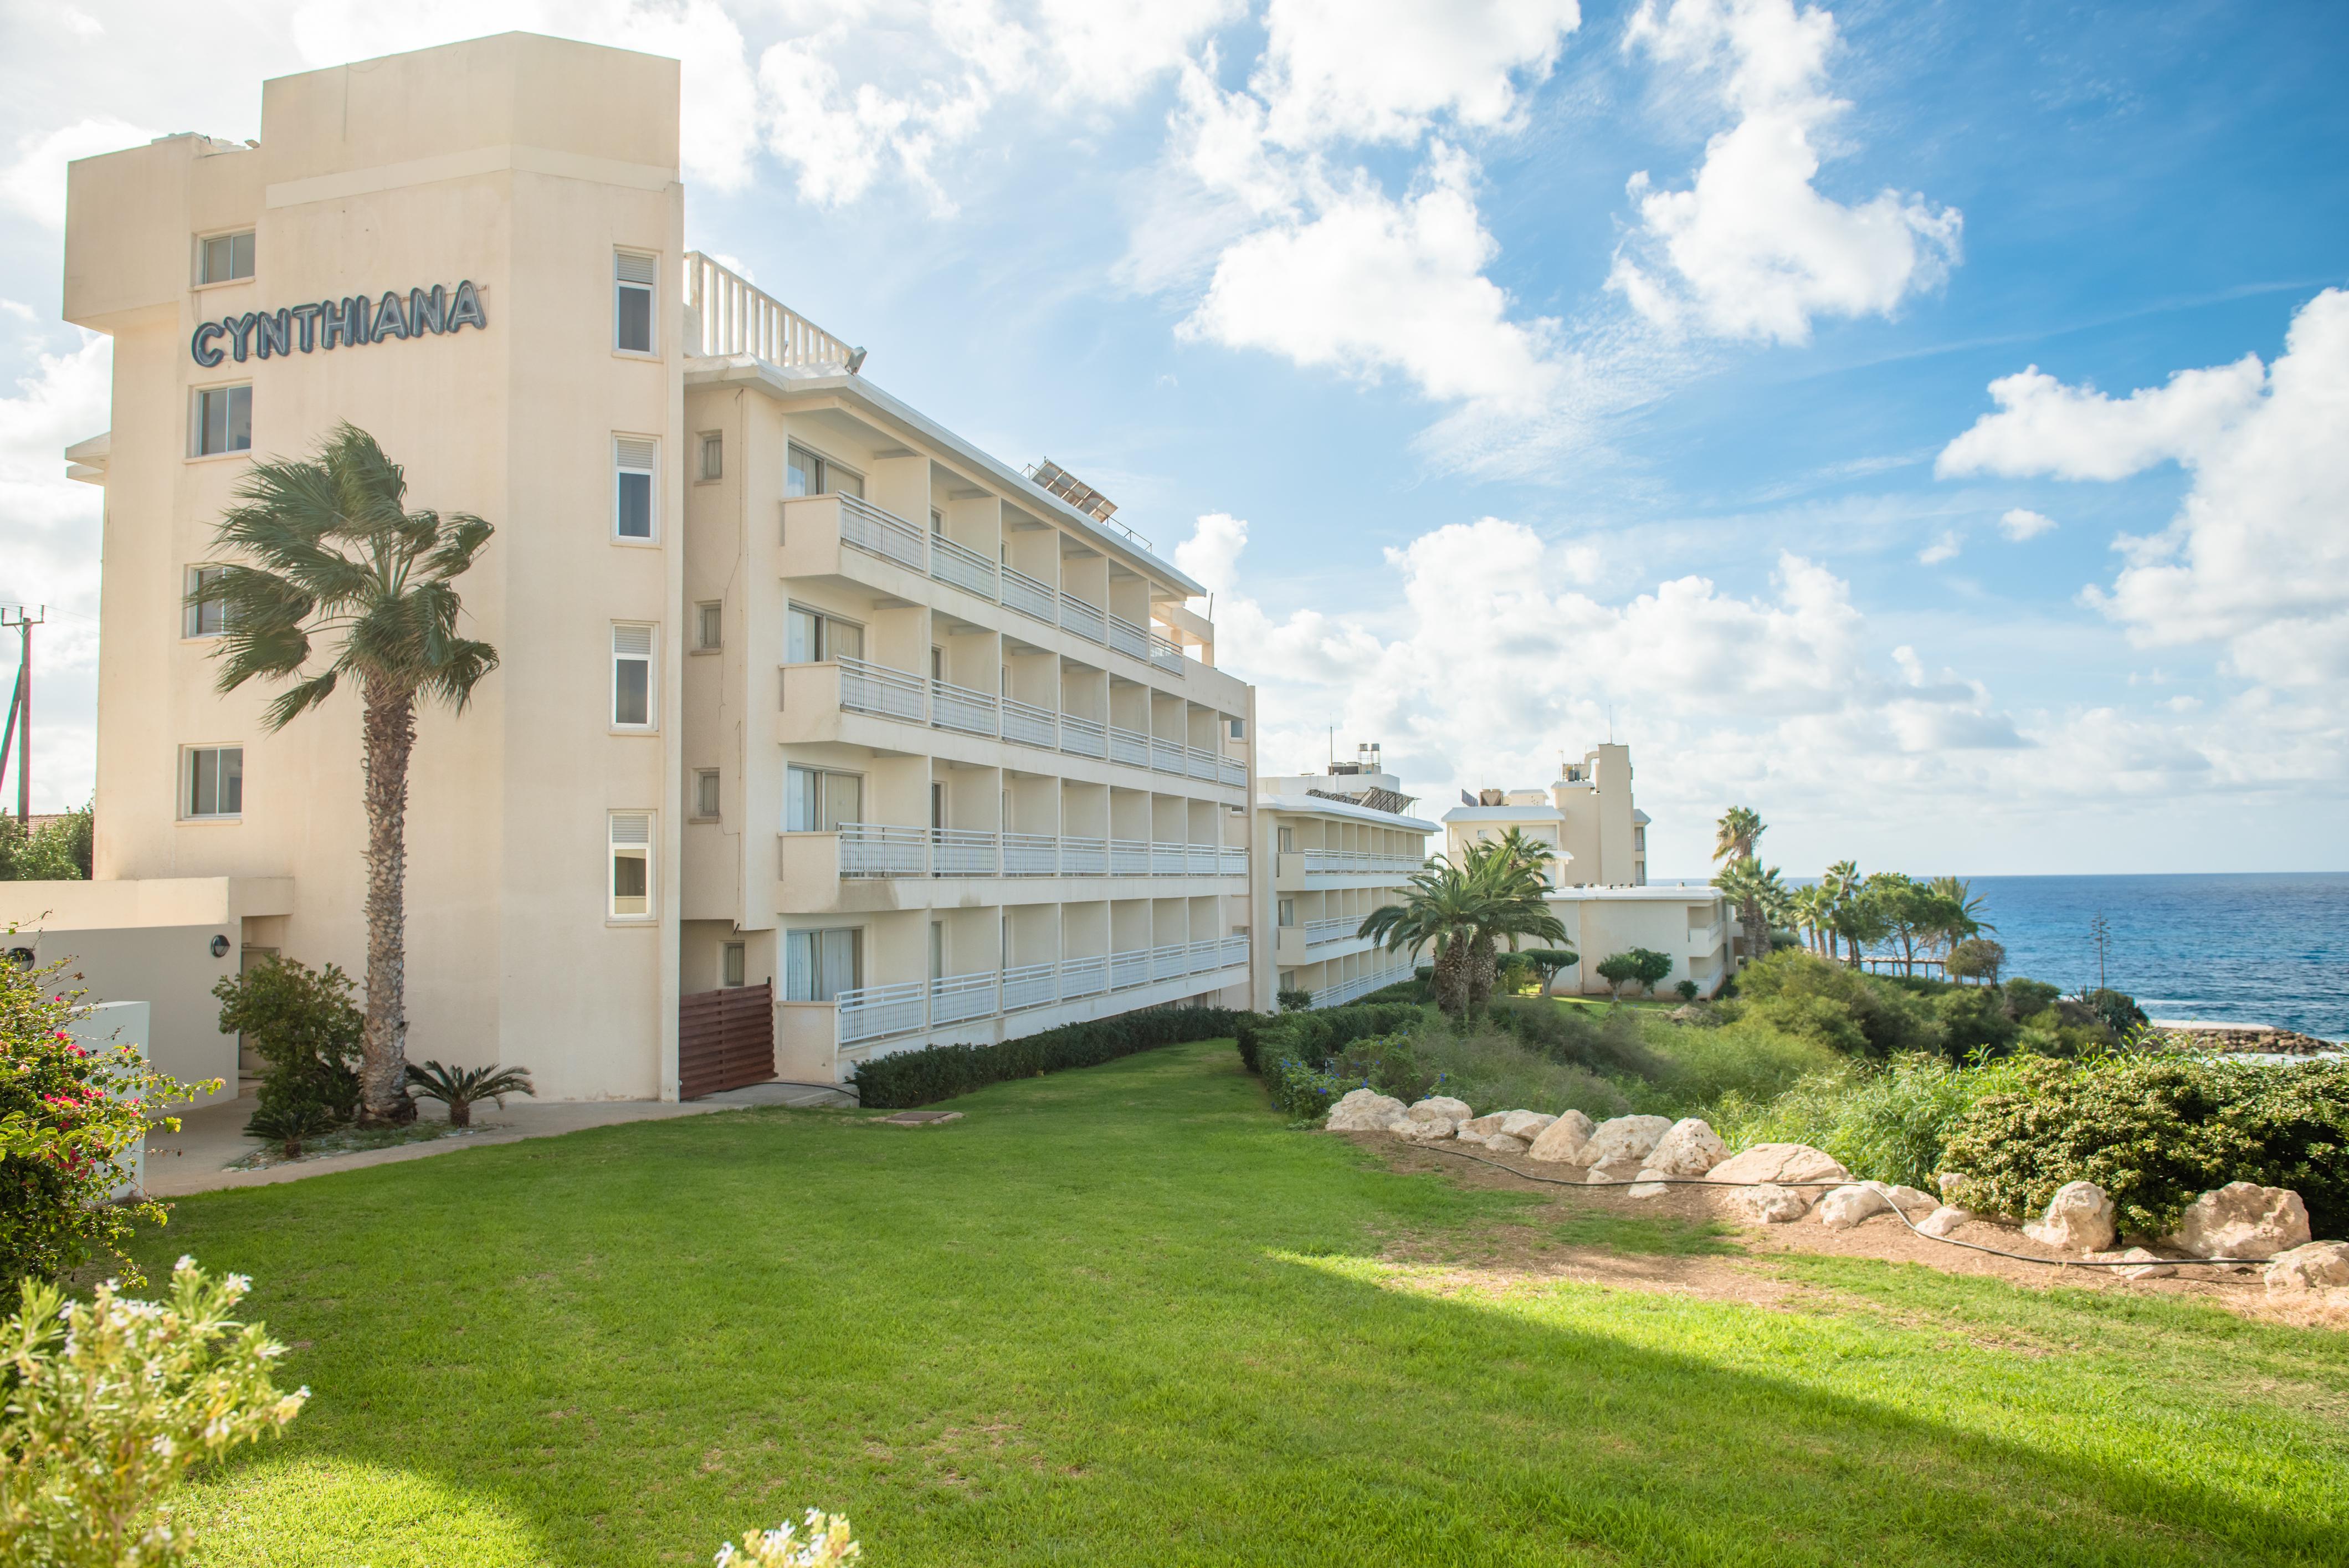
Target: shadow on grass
1058	1332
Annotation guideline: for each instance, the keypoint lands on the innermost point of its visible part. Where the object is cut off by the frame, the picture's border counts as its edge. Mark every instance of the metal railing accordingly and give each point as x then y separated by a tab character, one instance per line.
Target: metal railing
878	849
1165	653
879	532
1165	756
1357	860
1361	985
956	707
1321	933
1129	857
881	849
1083	737
1126	638
878	689
961	852
1131	747
1084	856
876	1011
1029	725
1085	619
1231	771
1200	763
1029	596
726	314
962	567
1031	855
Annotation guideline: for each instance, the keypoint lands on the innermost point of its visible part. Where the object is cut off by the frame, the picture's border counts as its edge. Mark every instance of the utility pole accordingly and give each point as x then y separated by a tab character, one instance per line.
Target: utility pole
20	711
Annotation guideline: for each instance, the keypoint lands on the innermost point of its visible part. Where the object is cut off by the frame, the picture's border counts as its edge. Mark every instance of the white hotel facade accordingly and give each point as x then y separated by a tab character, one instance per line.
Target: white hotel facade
797	686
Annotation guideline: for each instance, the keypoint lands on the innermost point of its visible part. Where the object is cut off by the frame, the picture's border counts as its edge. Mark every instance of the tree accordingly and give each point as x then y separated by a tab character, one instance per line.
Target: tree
1761	898
56	851
1736	834
327	552
1814	914
1644	966
1915	915
302	1022
1463	912
1977	958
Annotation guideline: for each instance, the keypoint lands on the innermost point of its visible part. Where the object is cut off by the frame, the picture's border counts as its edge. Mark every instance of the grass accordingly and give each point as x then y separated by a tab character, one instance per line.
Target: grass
1123	1316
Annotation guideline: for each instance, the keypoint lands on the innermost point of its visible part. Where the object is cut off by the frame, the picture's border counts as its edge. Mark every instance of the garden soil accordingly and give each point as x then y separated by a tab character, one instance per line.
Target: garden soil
1516	1253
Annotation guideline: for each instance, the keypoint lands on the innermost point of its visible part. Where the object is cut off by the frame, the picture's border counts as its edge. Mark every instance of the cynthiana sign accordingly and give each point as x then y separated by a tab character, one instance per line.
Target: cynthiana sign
347	322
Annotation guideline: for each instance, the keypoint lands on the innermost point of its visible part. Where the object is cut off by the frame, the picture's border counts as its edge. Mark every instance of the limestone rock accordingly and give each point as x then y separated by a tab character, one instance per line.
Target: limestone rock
1624	1140
1425	1131
1908	1200
1441	1108
1562	1142
2244	1220
1366	1110
2079	1219
2310	1266
1526	1124
1488	1123
1609	1176
1768	1204
1943	1220
1689	1148
1783	1164
1847	1206
1502	1143
2148	1265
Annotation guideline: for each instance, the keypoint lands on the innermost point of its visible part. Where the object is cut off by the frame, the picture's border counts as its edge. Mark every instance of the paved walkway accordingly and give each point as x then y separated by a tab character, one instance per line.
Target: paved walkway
211	1138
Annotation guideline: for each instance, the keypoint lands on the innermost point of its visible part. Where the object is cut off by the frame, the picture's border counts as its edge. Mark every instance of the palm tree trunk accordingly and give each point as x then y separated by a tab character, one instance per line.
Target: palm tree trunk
390	737
1483	970
1450	978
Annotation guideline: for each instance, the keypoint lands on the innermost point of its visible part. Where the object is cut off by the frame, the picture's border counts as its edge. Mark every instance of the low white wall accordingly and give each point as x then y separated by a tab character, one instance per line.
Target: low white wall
104	1027
168	970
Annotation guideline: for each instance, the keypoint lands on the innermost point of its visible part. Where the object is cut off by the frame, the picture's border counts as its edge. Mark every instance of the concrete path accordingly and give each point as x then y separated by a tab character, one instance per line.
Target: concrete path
209	1139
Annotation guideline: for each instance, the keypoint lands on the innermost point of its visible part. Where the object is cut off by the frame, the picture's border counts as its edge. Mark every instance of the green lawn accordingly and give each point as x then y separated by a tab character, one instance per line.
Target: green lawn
1123	1315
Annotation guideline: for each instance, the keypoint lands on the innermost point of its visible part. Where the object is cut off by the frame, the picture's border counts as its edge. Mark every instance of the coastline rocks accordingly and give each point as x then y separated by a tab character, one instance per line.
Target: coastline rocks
2312	1266
1847	1206
1623	1140
2079	1219
1561	1142
1943	1220
2242	1220
1769	1205
1689	1148
1366	1110
1785	1164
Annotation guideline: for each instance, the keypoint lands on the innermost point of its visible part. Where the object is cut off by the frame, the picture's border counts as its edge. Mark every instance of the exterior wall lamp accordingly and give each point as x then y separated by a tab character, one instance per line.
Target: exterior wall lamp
220	947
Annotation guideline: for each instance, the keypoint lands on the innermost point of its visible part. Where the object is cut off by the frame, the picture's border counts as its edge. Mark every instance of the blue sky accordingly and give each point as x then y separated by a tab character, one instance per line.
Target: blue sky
1515	370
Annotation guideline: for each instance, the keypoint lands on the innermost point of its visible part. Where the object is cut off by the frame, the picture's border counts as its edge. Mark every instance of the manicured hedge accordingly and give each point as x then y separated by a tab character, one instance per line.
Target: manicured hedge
941	1072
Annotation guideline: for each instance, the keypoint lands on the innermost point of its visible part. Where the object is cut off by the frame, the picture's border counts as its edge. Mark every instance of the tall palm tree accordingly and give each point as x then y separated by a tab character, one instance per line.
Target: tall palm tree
1844	884
1463	912
1814	909
329	553
1737	833
1536	855
1762	901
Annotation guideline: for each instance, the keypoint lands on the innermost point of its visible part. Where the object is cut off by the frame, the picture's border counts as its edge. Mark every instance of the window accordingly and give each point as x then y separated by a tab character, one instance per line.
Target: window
819	965
632	677
1288	912
1286	840
817	800
223	420
937	521
705	793
632	864
221	257
634	459
204	615
708	625
805	473
635	275
214	779
730	964
812	636
713	455
1239	729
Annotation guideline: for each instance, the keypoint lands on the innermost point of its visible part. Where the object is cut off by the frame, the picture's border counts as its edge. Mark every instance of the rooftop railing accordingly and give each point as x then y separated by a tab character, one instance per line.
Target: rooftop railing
726	314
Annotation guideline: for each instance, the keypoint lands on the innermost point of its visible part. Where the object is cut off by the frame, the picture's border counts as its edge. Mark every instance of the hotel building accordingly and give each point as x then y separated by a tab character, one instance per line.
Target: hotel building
1339	844
797	687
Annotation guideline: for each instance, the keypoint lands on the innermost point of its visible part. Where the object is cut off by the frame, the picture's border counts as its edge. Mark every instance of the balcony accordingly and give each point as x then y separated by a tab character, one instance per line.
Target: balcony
1321	933
876	850
1346	990
910	1007
1295	870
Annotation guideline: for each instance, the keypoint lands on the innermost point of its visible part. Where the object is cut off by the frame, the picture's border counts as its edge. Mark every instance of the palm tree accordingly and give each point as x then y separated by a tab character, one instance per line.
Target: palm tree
1844	883
1762	901
1463	912
1534	854
1814	909
1736	834
329	553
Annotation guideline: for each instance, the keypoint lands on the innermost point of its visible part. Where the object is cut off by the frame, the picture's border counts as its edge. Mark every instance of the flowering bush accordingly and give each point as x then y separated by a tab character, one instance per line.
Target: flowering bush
109	1401
68	1117
826	1543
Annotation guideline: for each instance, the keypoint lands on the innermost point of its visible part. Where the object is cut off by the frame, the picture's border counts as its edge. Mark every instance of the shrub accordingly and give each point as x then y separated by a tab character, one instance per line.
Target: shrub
827	1544
110	1402
1686	990
941	1072
1882	1015
1977	958
1696	1069
1317	1036
1888	1123
1974	1024
287	1126
462	1088
1643	967
304	1024
2026	997
2117	1011
56	851
1413	990
1608	1043
1293	999
2155	1131
1493	1069
70	1118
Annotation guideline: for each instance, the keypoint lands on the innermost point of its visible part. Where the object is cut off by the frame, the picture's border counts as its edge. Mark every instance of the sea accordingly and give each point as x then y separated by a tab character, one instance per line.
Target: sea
2228	948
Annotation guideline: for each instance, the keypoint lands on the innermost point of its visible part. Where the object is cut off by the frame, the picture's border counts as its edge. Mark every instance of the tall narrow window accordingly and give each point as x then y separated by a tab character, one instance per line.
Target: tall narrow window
805	473
1288	912
634	459
224	258
817	800
819	965
709	626
1239	729
812	636
632	864
635	275
204	614
223	420
213	781
1287	840
732	966
705	793
632	677
713	455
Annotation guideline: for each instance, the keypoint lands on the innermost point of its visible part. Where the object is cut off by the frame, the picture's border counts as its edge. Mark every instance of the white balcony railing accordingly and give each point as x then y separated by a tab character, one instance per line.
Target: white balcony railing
877	1011
1168	859
1355	861
1231	771
1085	737
725	315
1232	860
1321	933
1031	855
961	565
879	849
961	852
1080	617
1126	638
878	689
879	532
1165	654
1029	596
870	850
959	708
1201	764
1129	857
1345	991
1165	756
1131	747
1030	725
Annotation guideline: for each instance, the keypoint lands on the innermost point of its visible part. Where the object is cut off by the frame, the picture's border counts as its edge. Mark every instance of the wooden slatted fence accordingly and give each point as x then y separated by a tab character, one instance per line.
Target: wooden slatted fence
725	1040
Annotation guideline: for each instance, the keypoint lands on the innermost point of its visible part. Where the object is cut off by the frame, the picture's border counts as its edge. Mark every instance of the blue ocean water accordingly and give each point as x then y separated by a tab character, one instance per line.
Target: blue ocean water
2270	948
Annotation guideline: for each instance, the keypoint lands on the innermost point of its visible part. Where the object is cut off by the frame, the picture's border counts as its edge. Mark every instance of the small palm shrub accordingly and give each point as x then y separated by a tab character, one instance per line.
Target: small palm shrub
461	1088
826	1544
287	1126
111	1401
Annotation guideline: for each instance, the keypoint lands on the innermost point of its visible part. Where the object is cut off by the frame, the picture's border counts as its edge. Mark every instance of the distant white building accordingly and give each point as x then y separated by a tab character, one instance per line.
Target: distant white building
1341	844
1587	816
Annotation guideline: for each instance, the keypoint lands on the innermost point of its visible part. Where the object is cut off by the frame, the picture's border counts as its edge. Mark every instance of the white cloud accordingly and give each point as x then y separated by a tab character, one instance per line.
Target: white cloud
34	182
2256	557
1944	548
1753	249
2020	524
1386	70
1211	556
